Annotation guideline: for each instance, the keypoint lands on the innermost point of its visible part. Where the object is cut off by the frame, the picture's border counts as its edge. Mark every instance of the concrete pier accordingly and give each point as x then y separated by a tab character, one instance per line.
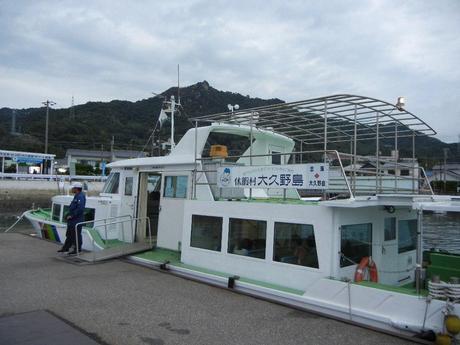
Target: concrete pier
121	303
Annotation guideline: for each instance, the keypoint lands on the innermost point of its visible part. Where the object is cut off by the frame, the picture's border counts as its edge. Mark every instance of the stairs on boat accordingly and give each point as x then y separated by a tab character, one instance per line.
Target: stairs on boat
112	252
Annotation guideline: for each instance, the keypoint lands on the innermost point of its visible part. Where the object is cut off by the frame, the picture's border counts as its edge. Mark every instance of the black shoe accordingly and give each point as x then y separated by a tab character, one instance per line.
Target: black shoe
62	250
73	252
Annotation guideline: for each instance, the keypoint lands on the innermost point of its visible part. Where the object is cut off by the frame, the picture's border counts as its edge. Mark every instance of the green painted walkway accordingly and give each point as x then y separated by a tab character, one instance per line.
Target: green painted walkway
163	255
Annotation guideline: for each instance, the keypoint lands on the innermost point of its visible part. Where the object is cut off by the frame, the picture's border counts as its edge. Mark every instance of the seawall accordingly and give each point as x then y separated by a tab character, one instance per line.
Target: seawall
17	196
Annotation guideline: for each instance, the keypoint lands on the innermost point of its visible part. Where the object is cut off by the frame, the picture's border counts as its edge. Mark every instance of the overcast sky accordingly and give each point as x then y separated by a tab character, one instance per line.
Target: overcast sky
293	50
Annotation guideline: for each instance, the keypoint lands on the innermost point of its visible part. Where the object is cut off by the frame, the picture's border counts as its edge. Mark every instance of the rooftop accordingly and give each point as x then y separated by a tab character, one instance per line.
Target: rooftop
336	118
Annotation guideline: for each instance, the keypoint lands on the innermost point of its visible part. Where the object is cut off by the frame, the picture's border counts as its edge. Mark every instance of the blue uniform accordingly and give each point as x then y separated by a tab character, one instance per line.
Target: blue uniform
75	215
77	209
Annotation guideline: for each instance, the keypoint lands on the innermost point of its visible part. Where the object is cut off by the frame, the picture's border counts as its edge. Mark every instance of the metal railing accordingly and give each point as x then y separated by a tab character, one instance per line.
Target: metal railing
51	177
104	220
133	222
350	180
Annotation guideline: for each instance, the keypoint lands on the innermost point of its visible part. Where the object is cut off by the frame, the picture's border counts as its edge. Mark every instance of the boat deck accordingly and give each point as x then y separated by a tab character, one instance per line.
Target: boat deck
160	256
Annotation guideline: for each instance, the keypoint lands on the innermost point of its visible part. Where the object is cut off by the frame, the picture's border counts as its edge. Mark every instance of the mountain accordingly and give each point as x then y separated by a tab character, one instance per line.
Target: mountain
92	125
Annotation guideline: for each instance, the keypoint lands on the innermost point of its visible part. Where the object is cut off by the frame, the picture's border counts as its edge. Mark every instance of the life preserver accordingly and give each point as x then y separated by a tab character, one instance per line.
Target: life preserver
366	263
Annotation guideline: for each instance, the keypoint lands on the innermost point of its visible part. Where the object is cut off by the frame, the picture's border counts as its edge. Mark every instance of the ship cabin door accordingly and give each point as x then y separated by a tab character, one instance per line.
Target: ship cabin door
389	264
148	205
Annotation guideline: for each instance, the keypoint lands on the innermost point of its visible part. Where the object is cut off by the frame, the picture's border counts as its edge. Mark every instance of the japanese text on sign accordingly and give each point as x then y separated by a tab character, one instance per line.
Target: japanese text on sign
300	176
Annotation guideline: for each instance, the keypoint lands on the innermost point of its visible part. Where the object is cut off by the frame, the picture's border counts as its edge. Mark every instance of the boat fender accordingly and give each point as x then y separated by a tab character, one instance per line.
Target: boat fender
164	266
366	263
231	281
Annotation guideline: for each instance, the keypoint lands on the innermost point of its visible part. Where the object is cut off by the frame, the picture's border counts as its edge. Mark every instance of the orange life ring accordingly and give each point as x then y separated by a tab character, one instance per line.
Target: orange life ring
369	264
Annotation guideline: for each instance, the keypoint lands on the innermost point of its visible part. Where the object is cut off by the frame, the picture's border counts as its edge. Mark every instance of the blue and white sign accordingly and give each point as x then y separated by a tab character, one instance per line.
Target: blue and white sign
31	160
298	176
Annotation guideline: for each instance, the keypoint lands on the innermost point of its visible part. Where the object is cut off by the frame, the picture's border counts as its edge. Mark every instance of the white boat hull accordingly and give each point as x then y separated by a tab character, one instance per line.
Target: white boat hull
56	231
387	311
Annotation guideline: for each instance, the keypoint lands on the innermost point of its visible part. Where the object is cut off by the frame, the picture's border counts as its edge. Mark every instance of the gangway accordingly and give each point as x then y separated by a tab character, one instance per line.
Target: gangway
103	249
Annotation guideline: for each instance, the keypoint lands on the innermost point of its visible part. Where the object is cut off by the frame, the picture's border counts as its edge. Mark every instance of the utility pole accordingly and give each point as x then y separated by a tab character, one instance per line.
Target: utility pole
72	110
48	103
445	168
112	143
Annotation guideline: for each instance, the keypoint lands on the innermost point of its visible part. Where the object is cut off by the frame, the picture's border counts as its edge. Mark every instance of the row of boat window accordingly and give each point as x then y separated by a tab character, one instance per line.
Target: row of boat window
293	243
175	186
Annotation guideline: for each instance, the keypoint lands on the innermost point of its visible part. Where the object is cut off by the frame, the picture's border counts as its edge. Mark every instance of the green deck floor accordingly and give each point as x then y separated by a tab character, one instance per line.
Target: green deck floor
407	289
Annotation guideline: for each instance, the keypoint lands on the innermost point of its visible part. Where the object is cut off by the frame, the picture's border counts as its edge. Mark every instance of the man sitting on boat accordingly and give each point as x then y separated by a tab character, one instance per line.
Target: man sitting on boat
75	216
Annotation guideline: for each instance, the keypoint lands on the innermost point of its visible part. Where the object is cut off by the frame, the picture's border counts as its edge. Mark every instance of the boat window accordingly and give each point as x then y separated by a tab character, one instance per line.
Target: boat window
276	158
153	183
56	212
356	243
89	214
247	237
206	232
129	186
111	185
390	229
295	244
236	144
407	235
175	186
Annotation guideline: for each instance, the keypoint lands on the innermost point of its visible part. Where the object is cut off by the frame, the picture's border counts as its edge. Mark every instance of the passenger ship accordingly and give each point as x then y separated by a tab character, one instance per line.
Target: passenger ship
257	200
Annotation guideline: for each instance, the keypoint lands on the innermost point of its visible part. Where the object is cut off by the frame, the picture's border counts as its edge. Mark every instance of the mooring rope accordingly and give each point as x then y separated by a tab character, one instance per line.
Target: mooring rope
16	222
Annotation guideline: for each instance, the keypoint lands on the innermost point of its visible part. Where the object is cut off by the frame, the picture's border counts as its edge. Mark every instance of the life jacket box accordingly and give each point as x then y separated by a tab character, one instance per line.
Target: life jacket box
218	151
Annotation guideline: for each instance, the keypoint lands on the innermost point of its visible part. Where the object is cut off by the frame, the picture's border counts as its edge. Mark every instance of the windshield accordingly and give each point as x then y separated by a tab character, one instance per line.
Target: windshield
111	185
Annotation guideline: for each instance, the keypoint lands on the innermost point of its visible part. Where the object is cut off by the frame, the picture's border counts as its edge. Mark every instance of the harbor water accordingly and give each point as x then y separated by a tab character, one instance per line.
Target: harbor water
441	231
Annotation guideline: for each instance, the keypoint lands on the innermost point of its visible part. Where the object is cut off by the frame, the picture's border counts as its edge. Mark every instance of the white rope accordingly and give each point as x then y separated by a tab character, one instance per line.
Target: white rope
444	290
16	222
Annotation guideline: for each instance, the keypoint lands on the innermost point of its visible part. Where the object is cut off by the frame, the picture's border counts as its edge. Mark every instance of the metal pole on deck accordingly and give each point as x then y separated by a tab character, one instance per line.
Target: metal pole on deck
301	151
76	241
396	156
173	106
250	152
413	162
325	139
419	253
354	149
196	151
377	154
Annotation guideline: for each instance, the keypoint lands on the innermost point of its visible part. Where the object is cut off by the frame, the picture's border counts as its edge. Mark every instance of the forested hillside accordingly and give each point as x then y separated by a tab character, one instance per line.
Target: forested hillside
92	125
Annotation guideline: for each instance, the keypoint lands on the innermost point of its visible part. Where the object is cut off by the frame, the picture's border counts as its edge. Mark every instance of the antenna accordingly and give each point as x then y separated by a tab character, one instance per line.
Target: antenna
178	86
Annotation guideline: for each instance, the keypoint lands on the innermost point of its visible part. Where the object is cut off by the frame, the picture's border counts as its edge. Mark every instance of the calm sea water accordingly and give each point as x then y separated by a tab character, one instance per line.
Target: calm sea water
441	231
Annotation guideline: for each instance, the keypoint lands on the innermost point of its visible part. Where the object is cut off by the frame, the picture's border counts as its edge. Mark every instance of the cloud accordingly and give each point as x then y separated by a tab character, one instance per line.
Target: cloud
291	50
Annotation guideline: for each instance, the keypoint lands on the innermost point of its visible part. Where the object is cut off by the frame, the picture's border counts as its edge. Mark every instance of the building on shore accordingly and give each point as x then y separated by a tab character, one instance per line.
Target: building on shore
20	162
96	158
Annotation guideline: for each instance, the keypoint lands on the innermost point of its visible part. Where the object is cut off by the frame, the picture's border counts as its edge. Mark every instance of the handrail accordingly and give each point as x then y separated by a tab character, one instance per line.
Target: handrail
130	219
349	181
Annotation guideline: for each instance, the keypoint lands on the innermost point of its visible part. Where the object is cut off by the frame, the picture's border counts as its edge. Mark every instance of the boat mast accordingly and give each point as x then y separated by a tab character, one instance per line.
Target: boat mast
173	108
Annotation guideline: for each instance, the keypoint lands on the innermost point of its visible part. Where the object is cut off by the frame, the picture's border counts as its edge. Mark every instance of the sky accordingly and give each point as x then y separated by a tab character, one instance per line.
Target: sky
292	50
